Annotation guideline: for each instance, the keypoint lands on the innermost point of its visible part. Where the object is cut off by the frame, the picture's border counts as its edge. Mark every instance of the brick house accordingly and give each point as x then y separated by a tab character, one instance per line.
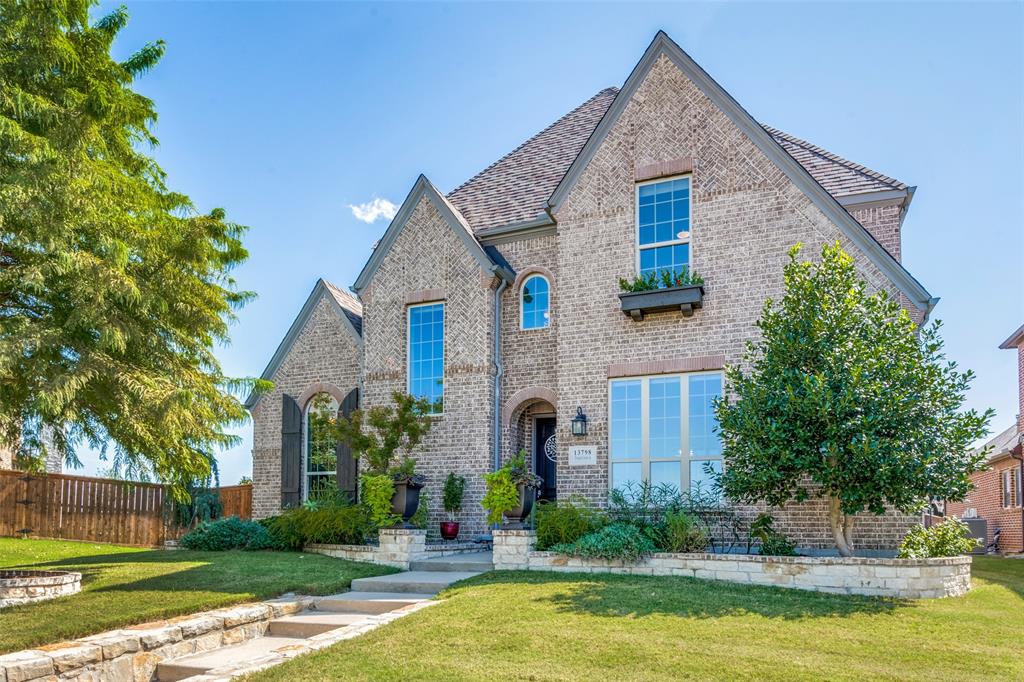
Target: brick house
998	492
500	300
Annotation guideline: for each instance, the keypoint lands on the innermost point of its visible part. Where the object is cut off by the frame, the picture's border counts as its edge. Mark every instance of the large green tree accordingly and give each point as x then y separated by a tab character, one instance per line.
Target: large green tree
843	397
114	289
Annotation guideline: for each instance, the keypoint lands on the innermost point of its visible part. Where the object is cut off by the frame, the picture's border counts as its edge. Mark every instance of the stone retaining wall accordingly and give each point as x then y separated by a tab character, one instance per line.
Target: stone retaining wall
132	654
398	547
24	587
901	578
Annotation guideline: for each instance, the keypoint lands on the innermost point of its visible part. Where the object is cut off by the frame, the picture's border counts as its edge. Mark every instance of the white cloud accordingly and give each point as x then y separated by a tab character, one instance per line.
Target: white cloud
372	211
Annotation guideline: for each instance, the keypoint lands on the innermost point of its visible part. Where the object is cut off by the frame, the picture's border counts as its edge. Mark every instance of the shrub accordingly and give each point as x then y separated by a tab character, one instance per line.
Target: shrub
421	518
565	522
229	533
377	491
332	523
681	532
336	524
773	543
286	529
615	541
949	538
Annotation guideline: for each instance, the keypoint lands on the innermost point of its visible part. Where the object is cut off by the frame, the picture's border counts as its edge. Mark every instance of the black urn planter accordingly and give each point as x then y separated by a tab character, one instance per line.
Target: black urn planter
406	500
517	517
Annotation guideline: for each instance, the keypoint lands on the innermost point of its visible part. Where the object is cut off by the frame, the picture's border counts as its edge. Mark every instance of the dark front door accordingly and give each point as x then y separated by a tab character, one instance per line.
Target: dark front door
544	452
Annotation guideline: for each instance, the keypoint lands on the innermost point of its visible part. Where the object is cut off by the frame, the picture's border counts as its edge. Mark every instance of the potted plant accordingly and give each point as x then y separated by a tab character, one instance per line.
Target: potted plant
454	489
384	437
511	491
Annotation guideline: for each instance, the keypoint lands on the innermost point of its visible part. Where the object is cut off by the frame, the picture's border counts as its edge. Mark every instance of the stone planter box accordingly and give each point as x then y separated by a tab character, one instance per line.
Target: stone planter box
24	587
685	299
398	547
899	578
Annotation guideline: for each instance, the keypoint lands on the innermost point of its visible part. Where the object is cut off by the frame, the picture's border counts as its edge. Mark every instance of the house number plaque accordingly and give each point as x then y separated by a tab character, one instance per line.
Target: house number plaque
582	455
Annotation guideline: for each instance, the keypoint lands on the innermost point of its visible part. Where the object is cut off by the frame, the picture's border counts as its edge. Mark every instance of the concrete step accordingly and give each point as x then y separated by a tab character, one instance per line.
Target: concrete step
470	561
421	582
197	664
369	602
309	623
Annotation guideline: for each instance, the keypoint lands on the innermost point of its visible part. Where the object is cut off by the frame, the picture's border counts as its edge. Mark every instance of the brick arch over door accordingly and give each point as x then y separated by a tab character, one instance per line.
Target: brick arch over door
523	398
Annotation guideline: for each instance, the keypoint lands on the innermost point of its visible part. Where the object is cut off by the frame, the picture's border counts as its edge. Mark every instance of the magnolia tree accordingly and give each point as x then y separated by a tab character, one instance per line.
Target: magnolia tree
843	397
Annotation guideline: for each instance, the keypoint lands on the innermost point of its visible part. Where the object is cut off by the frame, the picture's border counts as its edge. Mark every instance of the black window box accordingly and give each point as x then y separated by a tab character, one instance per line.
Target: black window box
684	299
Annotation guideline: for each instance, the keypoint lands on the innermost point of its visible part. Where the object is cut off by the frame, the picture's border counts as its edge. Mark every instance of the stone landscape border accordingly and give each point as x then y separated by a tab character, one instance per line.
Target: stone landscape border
899	578
132	654
397	547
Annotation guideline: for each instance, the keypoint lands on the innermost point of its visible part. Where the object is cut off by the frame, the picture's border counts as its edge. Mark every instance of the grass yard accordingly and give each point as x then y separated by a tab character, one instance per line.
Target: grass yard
128	585
547	626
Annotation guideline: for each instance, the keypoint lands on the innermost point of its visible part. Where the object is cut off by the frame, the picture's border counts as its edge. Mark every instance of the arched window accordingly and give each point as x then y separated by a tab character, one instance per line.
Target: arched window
536	303
320	456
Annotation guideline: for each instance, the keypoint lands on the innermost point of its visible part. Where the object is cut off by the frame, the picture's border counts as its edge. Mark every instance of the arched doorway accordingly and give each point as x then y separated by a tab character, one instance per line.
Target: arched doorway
530	425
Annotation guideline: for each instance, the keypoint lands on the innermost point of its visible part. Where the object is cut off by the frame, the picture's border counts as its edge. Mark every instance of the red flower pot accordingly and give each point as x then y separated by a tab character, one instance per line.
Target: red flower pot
449	530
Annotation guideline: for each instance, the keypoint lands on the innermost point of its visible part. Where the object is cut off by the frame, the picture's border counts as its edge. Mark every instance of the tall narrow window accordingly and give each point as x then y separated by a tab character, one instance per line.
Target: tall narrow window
663	430
1020	492
663	226
536	303
321	457
426	354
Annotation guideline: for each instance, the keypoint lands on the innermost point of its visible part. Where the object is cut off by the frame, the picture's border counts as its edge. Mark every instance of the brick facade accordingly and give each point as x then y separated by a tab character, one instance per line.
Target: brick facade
324	357
428	255
746	215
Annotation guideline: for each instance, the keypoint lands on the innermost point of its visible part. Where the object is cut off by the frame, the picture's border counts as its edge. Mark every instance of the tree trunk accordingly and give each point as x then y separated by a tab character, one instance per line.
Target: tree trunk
842	527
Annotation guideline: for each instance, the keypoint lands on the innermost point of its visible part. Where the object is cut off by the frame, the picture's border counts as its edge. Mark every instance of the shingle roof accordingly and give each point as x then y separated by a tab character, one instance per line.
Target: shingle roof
349	304
1002	444
516	187
837	175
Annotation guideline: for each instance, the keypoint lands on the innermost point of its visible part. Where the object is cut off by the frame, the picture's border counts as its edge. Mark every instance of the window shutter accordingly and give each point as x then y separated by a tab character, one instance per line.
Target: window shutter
348	475
291	452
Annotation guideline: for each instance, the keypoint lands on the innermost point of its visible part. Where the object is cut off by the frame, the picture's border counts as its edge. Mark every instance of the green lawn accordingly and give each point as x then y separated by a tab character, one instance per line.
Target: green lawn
546	626
127	585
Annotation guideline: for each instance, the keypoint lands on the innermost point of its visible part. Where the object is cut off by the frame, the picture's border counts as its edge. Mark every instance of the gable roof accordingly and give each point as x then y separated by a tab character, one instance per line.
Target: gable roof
515	188
424	188
797	174
1015	339
837	175
348	309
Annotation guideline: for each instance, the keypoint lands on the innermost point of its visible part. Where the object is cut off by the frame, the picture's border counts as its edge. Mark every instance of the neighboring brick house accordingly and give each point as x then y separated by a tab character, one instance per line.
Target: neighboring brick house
998	490
500	300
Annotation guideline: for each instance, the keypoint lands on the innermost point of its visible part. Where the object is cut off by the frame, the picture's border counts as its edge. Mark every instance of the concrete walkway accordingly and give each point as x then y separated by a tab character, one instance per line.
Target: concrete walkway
371	603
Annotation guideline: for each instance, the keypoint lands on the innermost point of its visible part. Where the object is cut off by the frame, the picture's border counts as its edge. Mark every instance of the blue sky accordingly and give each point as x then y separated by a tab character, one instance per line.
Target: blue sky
286	114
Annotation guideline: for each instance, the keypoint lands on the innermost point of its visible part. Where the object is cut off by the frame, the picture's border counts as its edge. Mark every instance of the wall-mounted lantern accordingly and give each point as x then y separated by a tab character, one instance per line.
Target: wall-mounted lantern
579	423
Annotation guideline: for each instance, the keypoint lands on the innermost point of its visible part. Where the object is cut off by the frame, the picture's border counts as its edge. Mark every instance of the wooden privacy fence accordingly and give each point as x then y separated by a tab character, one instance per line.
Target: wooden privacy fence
97	509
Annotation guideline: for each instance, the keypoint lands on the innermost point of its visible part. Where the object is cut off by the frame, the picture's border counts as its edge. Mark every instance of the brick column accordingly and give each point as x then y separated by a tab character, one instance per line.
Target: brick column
399	546
512	549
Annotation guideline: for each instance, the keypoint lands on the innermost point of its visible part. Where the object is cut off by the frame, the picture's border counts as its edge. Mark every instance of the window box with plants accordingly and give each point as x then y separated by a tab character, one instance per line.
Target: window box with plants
680	290
511	492
384	437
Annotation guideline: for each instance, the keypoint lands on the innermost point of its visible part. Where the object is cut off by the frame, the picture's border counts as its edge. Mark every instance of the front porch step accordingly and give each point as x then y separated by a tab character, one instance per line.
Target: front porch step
197	664
470	561
420	582
309	623
370	603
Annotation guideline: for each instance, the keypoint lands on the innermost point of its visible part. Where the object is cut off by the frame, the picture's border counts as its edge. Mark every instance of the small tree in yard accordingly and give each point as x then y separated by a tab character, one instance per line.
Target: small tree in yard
847	399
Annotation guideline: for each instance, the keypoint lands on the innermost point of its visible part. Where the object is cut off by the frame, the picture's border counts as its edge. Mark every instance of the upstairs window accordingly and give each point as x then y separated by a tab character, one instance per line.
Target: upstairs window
536	303
426	354
663	225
